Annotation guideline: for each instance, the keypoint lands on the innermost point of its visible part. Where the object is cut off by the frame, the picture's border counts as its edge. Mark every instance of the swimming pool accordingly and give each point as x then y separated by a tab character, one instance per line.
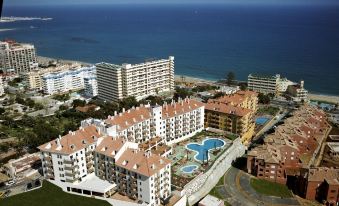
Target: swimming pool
202	150
189	168
261	120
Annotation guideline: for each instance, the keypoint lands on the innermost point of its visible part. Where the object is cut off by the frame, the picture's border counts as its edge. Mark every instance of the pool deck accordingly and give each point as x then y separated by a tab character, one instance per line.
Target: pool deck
182	156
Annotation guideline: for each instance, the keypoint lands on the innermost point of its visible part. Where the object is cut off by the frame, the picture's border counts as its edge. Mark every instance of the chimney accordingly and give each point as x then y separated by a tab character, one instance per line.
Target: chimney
115	113
123	110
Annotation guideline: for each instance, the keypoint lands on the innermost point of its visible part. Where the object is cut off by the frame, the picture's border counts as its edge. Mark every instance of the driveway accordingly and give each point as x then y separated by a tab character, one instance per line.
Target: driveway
238	191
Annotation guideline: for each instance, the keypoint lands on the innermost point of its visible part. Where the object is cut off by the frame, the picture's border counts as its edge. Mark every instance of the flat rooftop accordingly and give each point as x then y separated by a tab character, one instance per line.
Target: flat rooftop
94	183
211	201
108	65
334	146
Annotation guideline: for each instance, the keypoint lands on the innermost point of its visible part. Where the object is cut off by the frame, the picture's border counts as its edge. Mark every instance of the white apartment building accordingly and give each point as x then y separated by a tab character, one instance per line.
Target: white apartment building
124	151
172	122
34	79
116	82
73	158
2	86
139	175
265	84
73	79
16	58
283	84
91	86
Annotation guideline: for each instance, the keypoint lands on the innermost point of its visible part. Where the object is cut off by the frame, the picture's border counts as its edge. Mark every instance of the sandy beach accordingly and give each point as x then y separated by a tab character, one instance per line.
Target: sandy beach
188	79
318	97
326	98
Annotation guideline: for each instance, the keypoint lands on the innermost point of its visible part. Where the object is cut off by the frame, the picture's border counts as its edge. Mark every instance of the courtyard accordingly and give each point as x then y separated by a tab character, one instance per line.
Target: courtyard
195	155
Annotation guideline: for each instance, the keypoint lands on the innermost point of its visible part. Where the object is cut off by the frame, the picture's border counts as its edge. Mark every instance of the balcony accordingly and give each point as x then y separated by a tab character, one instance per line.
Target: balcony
90	163
69	162
48	164
122	175
49	176
90	170
48	158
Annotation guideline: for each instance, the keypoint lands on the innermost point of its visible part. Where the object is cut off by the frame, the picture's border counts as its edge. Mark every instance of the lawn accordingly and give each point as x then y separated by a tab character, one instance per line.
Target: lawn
50	195
270	188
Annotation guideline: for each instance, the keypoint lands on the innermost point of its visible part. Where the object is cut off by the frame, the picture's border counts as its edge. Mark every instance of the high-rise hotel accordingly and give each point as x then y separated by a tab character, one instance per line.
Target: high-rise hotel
116	82
16	58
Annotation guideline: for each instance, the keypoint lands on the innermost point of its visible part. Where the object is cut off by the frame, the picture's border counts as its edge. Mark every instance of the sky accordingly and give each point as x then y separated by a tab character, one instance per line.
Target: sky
65	2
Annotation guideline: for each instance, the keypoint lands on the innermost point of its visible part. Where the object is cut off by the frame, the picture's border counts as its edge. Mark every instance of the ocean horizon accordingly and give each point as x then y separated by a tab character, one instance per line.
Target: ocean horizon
298	42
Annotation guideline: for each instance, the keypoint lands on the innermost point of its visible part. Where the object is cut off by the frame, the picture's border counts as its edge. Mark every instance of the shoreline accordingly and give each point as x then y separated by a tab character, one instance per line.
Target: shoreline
191	79
330	98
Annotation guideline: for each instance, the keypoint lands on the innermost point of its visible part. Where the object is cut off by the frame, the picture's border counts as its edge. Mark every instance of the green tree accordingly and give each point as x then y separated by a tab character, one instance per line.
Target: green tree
128	103
78	103
2	110
181	93
230	78
243	87
264	99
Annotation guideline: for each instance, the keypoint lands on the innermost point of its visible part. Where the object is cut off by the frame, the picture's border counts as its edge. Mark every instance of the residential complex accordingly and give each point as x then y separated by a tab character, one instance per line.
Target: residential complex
116	82
266	84
91	86
16	58
34	78
64	81
233	113
127	150
291	147
173	122
320	184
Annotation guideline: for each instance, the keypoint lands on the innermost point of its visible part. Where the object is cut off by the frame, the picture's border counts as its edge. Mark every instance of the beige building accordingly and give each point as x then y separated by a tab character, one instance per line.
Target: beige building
233	114
16	58
34	78
266	84
116	82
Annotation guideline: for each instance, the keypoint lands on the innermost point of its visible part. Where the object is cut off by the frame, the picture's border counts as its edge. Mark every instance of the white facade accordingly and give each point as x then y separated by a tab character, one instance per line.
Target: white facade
116	82
17	58
283	84
67	80
91	86
172	122
263	83
2	86
135	173
34	78
113	149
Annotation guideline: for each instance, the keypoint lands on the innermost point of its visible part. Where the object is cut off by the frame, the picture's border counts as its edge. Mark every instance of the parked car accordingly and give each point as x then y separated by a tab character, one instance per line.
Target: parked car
9	183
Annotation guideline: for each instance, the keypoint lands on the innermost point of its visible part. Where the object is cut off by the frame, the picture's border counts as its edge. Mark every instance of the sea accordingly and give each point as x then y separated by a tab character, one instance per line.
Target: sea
300	42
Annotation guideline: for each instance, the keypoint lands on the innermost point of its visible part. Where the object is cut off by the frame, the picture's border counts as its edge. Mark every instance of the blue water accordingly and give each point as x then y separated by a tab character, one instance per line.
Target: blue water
300	42
261	120
189	168
202	150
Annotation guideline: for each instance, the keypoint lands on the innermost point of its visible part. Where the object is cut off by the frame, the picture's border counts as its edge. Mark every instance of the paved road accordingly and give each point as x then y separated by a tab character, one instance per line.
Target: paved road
238	191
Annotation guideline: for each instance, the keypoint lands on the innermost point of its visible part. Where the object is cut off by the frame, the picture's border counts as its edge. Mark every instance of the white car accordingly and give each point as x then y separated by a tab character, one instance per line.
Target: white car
9	183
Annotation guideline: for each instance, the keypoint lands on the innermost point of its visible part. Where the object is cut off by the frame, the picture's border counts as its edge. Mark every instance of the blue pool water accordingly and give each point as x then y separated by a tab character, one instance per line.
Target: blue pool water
189	168
203	149
261	120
